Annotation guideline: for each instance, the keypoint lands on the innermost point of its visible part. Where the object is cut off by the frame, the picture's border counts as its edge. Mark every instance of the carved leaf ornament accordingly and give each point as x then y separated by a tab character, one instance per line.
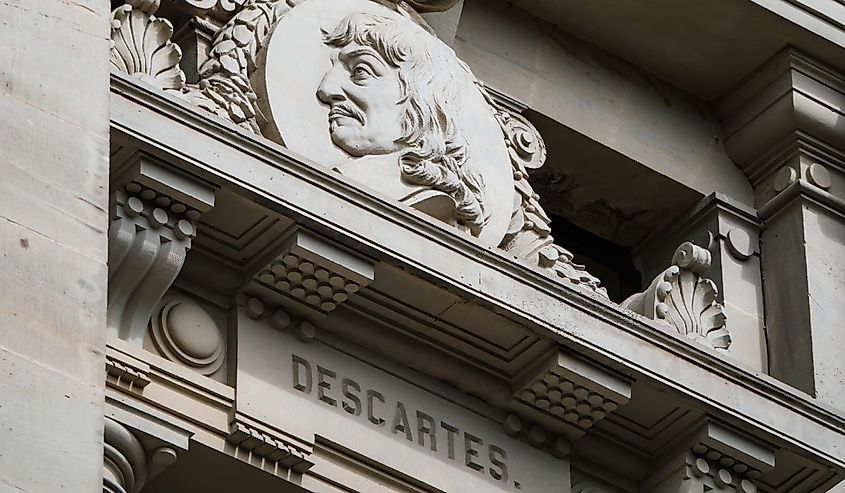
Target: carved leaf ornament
141	46
681	297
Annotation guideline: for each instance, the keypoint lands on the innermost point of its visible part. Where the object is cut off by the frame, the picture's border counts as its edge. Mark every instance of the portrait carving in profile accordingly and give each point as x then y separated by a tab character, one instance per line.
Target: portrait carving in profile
388	105
394	105
366	89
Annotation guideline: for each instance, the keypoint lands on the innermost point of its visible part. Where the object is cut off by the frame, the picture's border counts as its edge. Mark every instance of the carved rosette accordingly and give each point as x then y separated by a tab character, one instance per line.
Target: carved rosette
682	298
141	46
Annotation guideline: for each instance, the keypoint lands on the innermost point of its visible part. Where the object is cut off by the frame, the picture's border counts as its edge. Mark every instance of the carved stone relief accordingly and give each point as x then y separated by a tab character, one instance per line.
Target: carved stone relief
141	45
385	103
381	100
682	298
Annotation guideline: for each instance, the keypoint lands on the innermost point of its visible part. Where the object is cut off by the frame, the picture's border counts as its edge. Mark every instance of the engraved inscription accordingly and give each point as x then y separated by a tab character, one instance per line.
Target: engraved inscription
414	425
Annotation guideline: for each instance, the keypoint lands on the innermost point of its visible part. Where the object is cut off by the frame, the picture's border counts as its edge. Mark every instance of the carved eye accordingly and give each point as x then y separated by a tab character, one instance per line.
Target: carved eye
361	72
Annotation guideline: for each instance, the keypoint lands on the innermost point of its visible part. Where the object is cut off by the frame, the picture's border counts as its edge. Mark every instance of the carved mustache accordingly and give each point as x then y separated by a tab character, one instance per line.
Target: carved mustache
341	109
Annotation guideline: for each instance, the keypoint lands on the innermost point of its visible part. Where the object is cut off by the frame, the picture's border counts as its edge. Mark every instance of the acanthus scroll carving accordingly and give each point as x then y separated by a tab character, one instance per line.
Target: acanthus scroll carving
528	237
682	298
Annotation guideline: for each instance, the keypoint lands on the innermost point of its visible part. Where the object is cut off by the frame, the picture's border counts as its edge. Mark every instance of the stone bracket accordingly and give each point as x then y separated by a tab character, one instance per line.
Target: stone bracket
714	457
270	445
125	372
154	215
311	273
573	391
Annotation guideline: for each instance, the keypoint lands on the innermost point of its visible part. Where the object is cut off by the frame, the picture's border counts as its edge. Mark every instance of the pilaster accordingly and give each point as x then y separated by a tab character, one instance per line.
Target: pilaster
785	128
53	221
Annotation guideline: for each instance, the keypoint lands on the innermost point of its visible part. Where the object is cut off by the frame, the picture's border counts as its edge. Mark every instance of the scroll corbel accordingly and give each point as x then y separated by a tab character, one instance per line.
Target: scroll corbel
155	212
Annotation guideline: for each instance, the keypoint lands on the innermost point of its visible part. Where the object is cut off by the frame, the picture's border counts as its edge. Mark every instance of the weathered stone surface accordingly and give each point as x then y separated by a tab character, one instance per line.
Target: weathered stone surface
54	79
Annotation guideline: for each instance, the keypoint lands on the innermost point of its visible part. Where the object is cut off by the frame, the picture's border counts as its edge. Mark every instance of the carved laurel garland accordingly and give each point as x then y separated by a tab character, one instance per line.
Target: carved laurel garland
141	45
682	298
224	88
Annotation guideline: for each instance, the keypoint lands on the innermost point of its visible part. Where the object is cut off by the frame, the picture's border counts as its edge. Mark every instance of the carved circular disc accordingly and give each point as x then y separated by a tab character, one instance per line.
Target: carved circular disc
193	330
819	176
185	332
294	66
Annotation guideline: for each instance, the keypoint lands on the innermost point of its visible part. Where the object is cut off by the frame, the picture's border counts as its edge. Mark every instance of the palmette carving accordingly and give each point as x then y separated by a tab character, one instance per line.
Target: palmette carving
681	297
141	46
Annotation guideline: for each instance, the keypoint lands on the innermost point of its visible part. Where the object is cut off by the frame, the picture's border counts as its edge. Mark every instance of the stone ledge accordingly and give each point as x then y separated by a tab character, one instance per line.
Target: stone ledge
252	166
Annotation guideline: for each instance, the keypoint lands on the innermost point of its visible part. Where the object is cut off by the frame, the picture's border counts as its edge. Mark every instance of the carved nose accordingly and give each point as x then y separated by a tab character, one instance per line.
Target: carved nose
329	90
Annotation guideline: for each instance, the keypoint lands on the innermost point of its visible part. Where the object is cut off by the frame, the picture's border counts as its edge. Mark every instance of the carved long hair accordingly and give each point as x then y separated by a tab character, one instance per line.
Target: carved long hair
437	155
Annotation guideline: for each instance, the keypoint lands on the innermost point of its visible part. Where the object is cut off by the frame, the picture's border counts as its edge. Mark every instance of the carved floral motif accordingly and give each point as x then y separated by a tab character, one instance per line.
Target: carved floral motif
529	235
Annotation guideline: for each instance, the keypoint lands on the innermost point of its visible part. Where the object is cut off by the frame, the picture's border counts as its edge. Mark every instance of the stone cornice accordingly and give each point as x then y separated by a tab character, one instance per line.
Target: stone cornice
822	18
802	188
278	179
788	95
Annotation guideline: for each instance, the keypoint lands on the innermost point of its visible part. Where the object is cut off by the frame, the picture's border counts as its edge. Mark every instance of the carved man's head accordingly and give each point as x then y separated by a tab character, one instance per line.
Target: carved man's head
392	89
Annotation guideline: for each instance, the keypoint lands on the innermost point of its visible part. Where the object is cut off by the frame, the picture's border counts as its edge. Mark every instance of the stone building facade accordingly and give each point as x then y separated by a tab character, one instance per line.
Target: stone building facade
422	246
